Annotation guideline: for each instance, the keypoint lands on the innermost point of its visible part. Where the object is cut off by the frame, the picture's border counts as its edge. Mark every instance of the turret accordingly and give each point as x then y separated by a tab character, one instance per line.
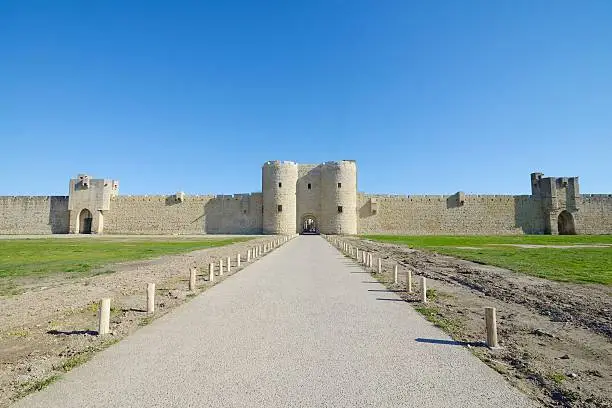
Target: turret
279	202
339	197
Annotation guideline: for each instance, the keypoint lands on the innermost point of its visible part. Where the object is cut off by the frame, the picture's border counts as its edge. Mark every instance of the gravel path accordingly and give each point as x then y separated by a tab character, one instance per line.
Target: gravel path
302	327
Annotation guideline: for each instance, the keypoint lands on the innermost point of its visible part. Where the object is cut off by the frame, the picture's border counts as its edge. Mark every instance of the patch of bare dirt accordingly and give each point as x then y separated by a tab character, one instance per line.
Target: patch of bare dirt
52	328
556	337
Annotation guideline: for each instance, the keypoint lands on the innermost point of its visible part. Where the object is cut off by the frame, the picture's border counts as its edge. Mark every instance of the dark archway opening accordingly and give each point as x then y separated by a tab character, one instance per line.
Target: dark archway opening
565	224
309	225
85	221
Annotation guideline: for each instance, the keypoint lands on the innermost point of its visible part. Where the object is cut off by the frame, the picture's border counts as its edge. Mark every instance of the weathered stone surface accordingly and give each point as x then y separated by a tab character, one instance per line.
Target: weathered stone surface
326	193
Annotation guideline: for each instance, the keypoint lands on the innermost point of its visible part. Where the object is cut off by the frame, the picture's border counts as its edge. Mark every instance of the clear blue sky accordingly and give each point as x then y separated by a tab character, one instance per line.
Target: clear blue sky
427	96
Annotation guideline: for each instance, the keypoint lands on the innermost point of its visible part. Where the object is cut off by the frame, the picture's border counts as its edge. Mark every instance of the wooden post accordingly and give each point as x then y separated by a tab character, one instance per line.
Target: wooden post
379	265
424	289
395	274
238	260
491	323
192	278
409	281
221	267
211	272
229	264
150	297
104	317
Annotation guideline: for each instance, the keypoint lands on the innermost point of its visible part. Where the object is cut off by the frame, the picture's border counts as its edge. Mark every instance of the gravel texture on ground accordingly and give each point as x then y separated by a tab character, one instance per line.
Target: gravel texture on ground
52	328
303	327
556	336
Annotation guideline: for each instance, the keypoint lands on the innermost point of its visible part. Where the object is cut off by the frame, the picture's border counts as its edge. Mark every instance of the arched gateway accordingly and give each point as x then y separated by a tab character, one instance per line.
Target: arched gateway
85	221
309	225
565	224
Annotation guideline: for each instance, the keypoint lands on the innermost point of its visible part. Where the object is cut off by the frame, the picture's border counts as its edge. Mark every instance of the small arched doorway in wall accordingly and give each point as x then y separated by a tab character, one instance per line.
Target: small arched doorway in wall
565	224
309	225
85	220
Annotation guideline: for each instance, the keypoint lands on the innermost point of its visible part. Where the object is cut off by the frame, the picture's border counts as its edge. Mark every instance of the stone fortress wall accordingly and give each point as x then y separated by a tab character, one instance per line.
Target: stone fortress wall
326	193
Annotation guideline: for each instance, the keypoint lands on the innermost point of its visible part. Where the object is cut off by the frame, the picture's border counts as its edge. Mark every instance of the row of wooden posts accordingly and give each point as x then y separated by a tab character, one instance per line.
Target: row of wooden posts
223	267
366	258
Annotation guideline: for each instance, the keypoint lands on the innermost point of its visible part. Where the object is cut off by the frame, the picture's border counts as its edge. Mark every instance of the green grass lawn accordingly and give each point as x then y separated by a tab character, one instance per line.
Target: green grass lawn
590	265
42	257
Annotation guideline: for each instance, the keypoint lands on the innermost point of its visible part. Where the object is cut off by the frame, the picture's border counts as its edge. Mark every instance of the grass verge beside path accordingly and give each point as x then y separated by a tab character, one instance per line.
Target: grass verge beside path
42	257
580	265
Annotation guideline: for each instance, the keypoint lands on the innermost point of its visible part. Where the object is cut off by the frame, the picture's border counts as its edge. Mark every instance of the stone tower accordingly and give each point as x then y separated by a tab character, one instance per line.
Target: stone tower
89	199
560	202
278	184
326	194
339	197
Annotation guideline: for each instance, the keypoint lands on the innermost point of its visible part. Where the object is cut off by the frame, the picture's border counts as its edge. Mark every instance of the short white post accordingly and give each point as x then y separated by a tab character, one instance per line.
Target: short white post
379	265
211	272
370	259
357	254
424	289
491	323
248	255
395	274
150	297
237	260
221	267
192	278
229	264
104	317
409	281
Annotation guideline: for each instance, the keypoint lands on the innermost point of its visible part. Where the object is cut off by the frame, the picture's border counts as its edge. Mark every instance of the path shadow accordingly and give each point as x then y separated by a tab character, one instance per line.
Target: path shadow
450	342
72	332
399	300
370	282
386	290
133	309
361	272
391	300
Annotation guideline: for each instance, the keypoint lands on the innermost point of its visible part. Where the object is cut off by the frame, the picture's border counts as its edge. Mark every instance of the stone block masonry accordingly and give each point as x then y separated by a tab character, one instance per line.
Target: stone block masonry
237	214
34	215
436	214
309	197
